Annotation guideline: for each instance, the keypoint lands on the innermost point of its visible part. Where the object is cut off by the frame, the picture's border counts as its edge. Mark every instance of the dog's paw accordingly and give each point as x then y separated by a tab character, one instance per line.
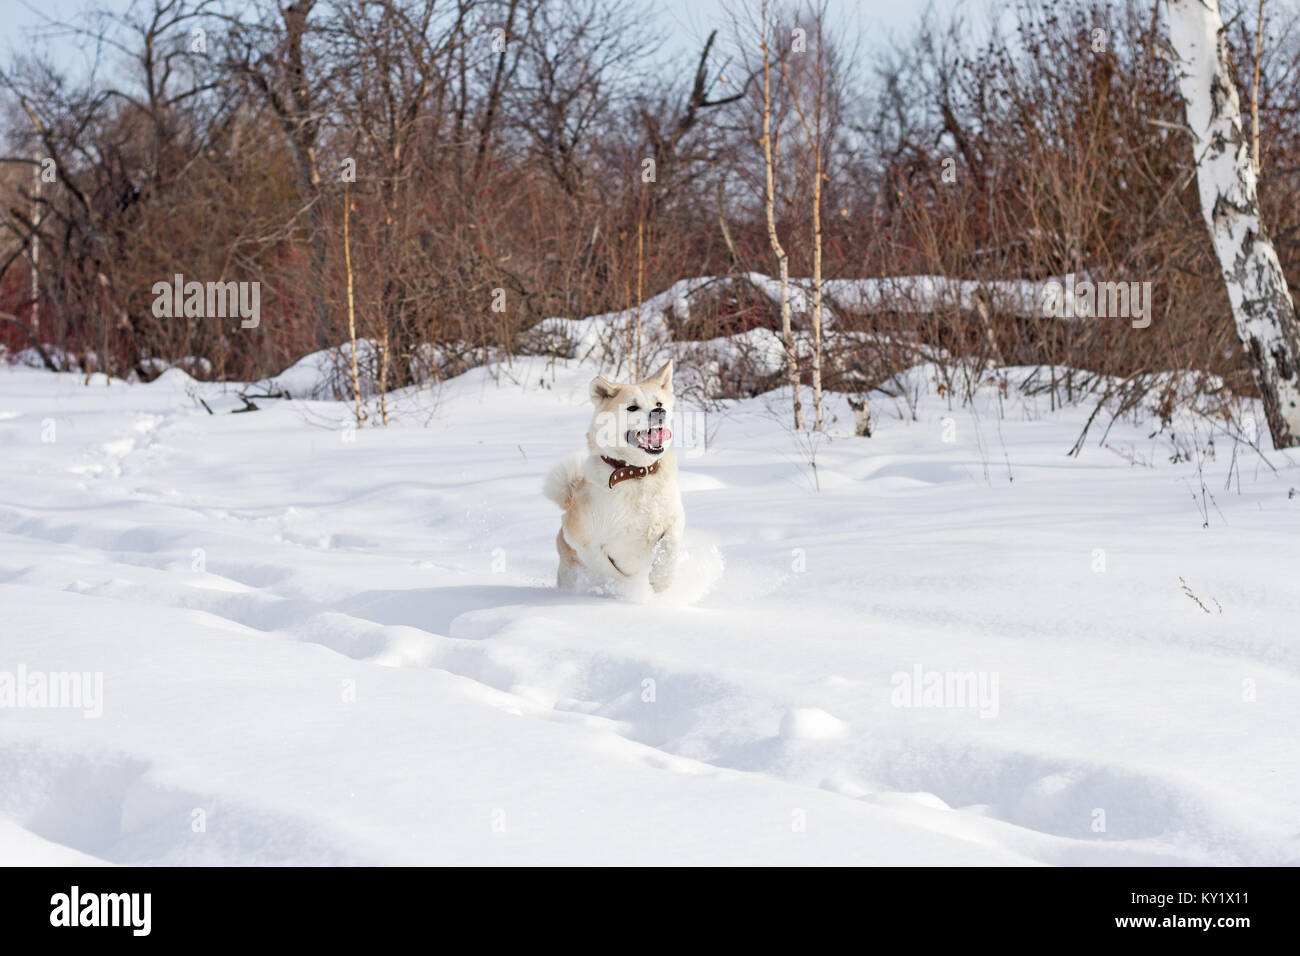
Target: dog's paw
694	573
661	584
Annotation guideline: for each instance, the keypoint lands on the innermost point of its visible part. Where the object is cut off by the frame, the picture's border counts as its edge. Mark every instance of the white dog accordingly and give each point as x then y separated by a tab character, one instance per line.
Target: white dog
623	515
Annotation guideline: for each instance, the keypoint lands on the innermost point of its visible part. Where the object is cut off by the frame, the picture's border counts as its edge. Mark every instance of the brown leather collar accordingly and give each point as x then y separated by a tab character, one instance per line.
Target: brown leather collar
623	471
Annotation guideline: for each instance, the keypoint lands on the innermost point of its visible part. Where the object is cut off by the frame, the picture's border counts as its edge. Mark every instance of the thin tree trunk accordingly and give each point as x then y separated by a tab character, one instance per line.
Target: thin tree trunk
640	272
627	302
818	409
791	358
302	126
383	377
982	307
722	222
1262	307
352	315
819	423
816	147
105	311
36	248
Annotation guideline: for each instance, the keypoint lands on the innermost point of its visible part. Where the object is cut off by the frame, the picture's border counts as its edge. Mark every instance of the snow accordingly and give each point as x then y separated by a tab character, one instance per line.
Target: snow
327	373
605	335
321	644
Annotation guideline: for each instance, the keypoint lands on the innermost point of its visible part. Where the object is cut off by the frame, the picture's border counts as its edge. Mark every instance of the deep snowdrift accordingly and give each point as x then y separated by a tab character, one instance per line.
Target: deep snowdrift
322	645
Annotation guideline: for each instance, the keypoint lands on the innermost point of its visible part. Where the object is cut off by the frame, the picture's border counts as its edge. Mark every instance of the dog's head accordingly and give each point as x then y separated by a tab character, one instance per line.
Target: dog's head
631	421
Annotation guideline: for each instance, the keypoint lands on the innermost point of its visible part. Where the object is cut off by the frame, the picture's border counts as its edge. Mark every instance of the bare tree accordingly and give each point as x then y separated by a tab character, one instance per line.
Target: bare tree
503	72
579	58
272	53
112	145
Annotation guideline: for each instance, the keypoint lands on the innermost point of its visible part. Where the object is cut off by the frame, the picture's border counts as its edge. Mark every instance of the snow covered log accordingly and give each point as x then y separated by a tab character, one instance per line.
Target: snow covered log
1262	307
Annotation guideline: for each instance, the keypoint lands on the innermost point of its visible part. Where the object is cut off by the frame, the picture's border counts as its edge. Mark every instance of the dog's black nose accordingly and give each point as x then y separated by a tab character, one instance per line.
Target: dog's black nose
657	416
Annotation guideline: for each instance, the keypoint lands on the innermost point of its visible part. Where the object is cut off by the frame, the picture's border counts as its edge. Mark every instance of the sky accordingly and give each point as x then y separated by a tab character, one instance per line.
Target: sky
688	21
874	17
860	24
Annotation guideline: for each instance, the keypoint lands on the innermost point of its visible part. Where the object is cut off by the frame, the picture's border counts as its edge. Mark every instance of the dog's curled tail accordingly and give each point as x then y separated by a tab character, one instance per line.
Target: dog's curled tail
563	480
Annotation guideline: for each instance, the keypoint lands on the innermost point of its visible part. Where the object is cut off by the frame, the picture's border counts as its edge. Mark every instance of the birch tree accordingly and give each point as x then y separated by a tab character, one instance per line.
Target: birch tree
782	257
815	134
1262	307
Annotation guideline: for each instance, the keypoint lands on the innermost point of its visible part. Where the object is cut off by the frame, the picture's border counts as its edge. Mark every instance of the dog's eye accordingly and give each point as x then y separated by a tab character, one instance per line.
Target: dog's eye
634	408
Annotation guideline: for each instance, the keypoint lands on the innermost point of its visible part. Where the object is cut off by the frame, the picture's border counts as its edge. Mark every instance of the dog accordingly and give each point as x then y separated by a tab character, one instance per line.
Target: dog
623	517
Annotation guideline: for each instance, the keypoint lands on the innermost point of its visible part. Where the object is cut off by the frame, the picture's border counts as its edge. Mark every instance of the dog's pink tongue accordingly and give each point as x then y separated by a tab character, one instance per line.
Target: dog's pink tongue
660	435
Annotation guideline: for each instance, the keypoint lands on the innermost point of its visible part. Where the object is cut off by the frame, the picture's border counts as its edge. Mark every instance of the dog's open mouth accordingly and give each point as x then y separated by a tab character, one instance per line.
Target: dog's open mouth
651	440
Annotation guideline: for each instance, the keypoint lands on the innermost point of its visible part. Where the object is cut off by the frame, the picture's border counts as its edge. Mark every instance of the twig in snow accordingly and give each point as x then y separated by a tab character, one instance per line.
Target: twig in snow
1188	592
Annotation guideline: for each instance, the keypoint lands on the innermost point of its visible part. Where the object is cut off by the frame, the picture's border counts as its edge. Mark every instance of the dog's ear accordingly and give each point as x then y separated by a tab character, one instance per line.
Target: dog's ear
602	389
664	377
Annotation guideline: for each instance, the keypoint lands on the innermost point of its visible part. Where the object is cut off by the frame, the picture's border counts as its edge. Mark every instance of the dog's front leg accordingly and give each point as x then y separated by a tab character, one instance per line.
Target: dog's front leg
663	563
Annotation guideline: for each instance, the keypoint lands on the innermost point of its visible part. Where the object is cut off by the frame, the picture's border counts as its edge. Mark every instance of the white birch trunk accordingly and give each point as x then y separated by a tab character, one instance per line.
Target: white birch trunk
1225	173
783	260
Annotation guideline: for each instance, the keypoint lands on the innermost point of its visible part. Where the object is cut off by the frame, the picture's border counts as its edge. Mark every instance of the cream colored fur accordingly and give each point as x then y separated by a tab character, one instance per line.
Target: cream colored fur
632	531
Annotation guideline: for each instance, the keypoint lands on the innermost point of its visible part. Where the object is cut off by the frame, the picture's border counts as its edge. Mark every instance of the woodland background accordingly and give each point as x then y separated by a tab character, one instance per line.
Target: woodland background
500	150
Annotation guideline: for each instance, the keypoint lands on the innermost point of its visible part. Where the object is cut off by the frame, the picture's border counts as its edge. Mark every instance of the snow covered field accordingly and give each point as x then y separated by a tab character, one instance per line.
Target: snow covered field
320	645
